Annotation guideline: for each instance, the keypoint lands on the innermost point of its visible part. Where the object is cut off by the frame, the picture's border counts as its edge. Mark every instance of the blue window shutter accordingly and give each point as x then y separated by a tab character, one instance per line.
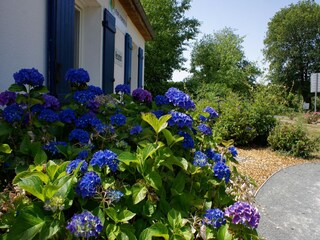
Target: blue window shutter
109	30
140	66
60	45
127	59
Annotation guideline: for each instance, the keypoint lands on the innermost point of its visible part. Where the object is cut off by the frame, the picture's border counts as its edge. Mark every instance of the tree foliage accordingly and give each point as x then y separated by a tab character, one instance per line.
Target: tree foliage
218	58
173	30
292	46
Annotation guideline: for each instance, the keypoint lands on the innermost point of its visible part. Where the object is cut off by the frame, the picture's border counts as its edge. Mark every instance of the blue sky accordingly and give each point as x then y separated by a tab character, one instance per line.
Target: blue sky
249	18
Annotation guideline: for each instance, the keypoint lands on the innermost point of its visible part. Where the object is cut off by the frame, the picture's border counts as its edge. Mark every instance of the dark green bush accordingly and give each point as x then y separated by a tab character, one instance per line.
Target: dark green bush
292	139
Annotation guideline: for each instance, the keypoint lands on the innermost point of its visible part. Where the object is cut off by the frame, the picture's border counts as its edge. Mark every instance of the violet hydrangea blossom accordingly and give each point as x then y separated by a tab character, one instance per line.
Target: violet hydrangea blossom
51	102
214	217
243	213
7	98
85	225
142	95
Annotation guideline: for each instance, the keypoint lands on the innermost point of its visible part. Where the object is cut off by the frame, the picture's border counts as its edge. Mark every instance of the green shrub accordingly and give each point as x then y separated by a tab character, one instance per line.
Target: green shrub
292	139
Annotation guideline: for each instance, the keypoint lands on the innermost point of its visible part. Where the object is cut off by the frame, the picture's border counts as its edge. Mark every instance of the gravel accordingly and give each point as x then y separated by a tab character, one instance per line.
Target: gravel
261	163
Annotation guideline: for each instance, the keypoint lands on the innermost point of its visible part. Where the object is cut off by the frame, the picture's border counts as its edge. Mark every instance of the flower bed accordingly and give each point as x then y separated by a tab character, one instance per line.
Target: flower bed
116	166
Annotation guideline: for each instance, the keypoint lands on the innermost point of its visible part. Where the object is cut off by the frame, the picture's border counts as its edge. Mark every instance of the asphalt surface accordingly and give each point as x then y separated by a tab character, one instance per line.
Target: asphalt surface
289	204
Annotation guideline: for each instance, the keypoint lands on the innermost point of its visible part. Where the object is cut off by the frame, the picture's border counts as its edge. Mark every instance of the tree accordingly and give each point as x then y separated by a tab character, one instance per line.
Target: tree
173	30
292	46
218	58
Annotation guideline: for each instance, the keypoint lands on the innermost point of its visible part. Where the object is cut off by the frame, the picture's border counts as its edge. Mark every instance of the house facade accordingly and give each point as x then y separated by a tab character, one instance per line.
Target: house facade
105	37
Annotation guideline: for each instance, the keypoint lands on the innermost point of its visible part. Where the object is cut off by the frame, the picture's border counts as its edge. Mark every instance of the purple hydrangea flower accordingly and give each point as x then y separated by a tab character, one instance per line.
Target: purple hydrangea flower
106	157
85	225
118	119
221	170
142	95
87	187
113	195
233	151
79	135
211	111
136	130
180	119
30	77
179	98
161	100
214	217
243	213
13	113
200	159
122	88
214	155
48	115
7	98
77	76
74	164
187	141
205	129
67	116
52	147
51	102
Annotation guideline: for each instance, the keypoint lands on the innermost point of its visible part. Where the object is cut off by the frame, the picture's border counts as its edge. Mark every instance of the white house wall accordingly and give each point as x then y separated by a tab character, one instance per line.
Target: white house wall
22	38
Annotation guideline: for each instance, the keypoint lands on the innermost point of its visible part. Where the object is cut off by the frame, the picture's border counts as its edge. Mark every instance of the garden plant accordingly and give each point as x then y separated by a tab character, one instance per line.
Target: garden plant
120	166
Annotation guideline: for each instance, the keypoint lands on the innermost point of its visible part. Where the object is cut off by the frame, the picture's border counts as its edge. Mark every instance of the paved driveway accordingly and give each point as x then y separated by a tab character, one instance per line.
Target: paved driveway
289	204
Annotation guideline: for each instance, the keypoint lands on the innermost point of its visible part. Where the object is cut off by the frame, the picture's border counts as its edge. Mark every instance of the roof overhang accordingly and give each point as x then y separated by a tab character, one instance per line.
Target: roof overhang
138	16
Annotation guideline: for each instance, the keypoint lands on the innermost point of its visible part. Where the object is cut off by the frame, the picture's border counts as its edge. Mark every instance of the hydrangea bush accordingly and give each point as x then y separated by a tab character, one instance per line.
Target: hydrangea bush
117	166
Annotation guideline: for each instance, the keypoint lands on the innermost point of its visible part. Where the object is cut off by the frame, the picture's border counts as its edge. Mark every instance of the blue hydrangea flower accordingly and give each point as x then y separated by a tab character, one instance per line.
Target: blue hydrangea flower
243	213
79	135
51	102
83	96
136	130
180	119
7	98
200	159
37	108
187	141
158	113
85	225
203	118
204	129
142	95
118	119
52	147
211	111
74	164
93	105
83	154
87	186
106	157
179	98
95	90
48	115
30	77
161	100
214	217
13	113
221	170
233	151
122	88
113	195
214	155
77	76
67	116
84	121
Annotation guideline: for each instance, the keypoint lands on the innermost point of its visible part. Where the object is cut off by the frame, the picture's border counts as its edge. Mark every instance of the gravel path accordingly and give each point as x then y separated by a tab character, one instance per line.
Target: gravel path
261	163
